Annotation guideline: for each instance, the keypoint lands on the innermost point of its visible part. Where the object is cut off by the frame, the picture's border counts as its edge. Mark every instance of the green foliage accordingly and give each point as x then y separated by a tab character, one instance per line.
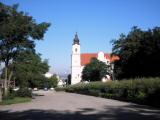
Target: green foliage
9	96
138	52
53	81
18	32
140	90
38	81
24	92
69	79
29	69
95	70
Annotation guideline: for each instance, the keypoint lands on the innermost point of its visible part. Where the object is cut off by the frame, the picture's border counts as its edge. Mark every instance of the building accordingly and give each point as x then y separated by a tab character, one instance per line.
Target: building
61	80
48	75
79	60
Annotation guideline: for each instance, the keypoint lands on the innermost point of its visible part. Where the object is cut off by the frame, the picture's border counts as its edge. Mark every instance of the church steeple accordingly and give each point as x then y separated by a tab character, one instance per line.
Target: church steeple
76	39
76	61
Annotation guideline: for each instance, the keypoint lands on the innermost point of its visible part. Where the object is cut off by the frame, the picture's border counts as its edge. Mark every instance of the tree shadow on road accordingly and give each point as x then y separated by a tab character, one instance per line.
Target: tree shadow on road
110	113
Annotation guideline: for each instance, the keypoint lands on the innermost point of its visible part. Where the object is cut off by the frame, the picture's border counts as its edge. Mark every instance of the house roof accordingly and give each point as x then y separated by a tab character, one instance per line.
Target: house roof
86	57
114	58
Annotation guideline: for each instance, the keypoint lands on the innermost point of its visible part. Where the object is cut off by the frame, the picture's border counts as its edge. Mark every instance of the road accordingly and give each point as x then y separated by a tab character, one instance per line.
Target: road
50	105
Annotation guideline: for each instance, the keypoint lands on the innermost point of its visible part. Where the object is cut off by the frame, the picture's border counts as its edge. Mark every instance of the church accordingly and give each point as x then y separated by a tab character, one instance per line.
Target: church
79	60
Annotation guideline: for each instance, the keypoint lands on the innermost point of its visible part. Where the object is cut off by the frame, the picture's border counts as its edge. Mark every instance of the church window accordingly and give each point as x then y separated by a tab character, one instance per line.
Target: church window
76	50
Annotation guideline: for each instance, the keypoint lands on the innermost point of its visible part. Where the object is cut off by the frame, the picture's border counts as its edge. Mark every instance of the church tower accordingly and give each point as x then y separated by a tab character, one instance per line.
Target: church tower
76	61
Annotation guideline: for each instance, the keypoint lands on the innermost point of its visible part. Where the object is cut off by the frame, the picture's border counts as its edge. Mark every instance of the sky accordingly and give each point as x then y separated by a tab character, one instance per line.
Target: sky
97	22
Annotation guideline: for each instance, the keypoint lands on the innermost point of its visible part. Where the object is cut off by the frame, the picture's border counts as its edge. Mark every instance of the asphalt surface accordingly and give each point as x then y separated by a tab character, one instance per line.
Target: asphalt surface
50	105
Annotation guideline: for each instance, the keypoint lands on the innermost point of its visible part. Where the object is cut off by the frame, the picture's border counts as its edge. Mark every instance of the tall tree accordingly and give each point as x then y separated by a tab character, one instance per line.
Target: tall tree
95	70
18	31
69	79
29	69
139	53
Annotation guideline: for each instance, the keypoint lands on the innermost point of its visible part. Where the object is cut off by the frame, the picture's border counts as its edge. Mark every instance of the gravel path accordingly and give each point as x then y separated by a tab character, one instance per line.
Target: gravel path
50	105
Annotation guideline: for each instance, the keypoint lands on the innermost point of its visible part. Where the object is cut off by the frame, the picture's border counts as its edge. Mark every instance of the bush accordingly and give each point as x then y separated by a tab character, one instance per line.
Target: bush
60	89
11	94
53	81
24	92
140	90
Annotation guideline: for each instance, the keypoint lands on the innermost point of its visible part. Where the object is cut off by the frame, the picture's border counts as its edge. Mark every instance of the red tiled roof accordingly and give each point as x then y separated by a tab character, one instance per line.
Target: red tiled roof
86	57
107	56
114	58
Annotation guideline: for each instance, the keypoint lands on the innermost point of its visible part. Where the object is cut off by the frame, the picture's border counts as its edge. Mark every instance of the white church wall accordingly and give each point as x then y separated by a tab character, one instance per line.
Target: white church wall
76	62
76	68
101	56
76	49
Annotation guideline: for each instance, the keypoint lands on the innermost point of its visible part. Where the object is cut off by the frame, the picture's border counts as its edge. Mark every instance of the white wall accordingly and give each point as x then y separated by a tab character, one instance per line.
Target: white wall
76	68
76	64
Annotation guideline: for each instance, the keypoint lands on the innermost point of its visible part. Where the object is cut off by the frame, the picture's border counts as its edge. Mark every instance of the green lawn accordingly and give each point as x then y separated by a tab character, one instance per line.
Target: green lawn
15	100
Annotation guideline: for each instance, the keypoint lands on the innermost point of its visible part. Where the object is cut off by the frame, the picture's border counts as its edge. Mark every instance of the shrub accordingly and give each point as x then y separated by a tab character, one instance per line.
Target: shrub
140	97
24	92
11	94
154	98
60	89
53	81
140	90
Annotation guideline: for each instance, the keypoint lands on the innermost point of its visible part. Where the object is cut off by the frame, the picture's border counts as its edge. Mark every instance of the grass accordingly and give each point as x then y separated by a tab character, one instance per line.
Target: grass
15	100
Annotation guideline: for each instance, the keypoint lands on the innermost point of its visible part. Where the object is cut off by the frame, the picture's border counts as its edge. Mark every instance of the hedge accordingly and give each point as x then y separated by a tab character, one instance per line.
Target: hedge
140	90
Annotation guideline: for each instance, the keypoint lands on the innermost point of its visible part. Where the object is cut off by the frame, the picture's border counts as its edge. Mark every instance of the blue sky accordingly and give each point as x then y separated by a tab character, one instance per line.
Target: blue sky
96	21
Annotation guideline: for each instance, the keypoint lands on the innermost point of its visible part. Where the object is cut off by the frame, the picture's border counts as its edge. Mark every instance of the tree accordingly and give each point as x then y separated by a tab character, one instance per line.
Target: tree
139	53
95	70
18	31
53	81
29	69
69	79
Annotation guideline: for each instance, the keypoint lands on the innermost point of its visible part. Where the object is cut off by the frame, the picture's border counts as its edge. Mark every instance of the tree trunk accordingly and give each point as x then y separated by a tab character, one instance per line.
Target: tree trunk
5	82
9	79
0	94
14	84
1	90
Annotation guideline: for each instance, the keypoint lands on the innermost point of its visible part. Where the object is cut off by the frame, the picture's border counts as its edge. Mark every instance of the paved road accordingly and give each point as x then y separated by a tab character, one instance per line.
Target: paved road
68	106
